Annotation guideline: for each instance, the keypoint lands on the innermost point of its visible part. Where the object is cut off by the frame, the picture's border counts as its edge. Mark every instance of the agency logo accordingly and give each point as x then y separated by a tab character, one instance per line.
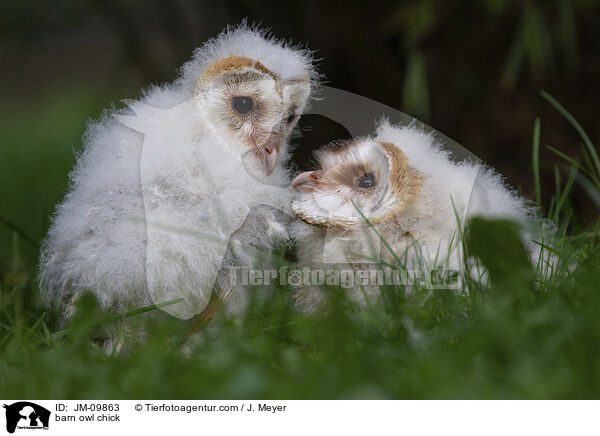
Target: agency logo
26	415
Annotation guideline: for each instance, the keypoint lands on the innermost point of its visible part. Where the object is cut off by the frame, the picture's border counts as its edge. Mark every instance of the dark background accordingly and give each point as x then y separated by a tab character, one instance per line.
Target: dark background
472	70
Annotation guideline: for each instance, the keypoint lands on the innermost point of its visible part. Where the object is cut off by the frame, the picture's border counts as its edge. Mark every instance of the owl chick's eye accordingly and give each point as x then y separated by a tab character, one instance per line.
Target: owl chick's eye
243	105
366	181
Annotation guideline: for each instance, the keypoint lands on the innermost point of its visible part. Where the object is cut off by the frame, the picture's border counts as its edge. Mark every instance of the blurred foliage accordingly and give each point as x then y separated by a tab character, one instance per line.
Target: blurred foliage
533	44
543	35
586	173
505	342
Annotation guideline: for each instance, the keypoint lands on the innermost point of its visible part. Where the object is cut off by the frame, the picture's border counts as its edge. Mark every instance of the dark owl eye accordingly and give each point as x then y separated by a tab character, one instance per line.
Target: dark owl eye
243	105
366	181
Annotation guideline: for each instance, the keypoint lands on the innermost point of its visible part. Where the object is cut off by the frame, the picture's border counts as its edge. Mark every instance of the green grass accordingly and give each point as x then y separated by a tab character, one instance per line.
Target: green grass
529	335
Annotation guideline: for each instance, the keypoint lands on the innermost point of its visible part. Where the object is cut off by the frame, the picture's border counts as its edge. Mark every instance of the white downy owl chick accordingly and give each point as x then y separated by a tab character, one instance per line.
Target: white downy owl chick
409	188
155	195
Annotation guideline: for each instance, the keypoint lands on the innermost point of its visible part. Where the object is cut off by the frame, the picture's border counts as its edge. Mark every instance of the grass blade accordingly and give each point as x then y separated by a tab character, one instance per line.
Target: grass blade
116	317
536	160
18	231
590	188
586	139
379	235
571	161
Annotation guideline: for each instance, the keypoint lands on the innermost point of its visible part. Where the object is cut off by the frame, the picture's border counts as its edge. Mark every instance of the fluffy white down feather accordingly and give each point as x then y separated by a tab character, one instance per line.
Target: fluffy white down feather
470	188
148	215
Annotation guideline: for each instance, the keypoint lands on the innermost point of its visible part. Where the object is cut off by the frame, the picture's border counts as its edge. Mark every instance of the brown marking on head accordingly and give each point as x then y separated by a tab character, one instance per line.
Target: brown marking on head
347	173
232	63
405	181
345	169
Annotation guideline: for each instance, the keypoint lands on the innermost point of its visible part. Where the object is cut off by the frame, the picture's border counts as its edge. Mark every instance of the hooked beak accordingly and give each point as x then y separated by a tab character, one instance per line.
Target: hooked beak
269	152
306	182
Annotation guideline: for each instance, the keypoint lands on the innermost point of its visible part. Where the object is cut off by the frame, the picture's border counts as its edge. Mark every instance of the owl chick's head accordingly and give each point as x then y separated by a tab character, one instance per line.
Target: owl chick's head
361	176
251	89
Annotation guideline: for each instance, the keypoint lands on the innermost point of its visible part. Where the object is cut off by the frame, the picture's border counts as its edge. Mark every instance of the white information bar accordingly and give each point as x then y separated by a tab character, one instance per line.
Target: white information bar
24	417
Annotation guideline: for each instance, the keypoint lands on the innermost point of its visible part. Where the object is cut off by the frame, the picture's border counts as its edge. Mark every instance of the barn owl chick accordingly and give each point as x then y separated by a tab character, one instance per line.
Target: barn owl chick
409	188
160	187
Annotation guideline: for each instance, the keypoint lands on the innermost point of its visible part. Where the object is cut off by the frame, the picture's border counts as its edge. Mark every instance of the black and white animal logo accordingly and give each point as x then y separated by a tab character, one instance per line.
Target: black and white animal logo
26	415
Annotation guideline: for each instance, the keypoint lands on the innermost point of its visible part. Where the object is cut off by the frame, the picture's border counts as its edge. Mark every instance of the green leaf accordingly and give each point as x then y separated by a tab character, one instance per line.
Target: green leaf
498	245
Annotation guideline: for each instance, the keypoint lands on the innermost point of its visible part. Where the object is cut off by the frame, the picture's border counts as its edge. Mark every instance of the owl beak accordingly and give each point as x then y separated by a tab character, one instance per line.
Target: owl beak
269	153
306	182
